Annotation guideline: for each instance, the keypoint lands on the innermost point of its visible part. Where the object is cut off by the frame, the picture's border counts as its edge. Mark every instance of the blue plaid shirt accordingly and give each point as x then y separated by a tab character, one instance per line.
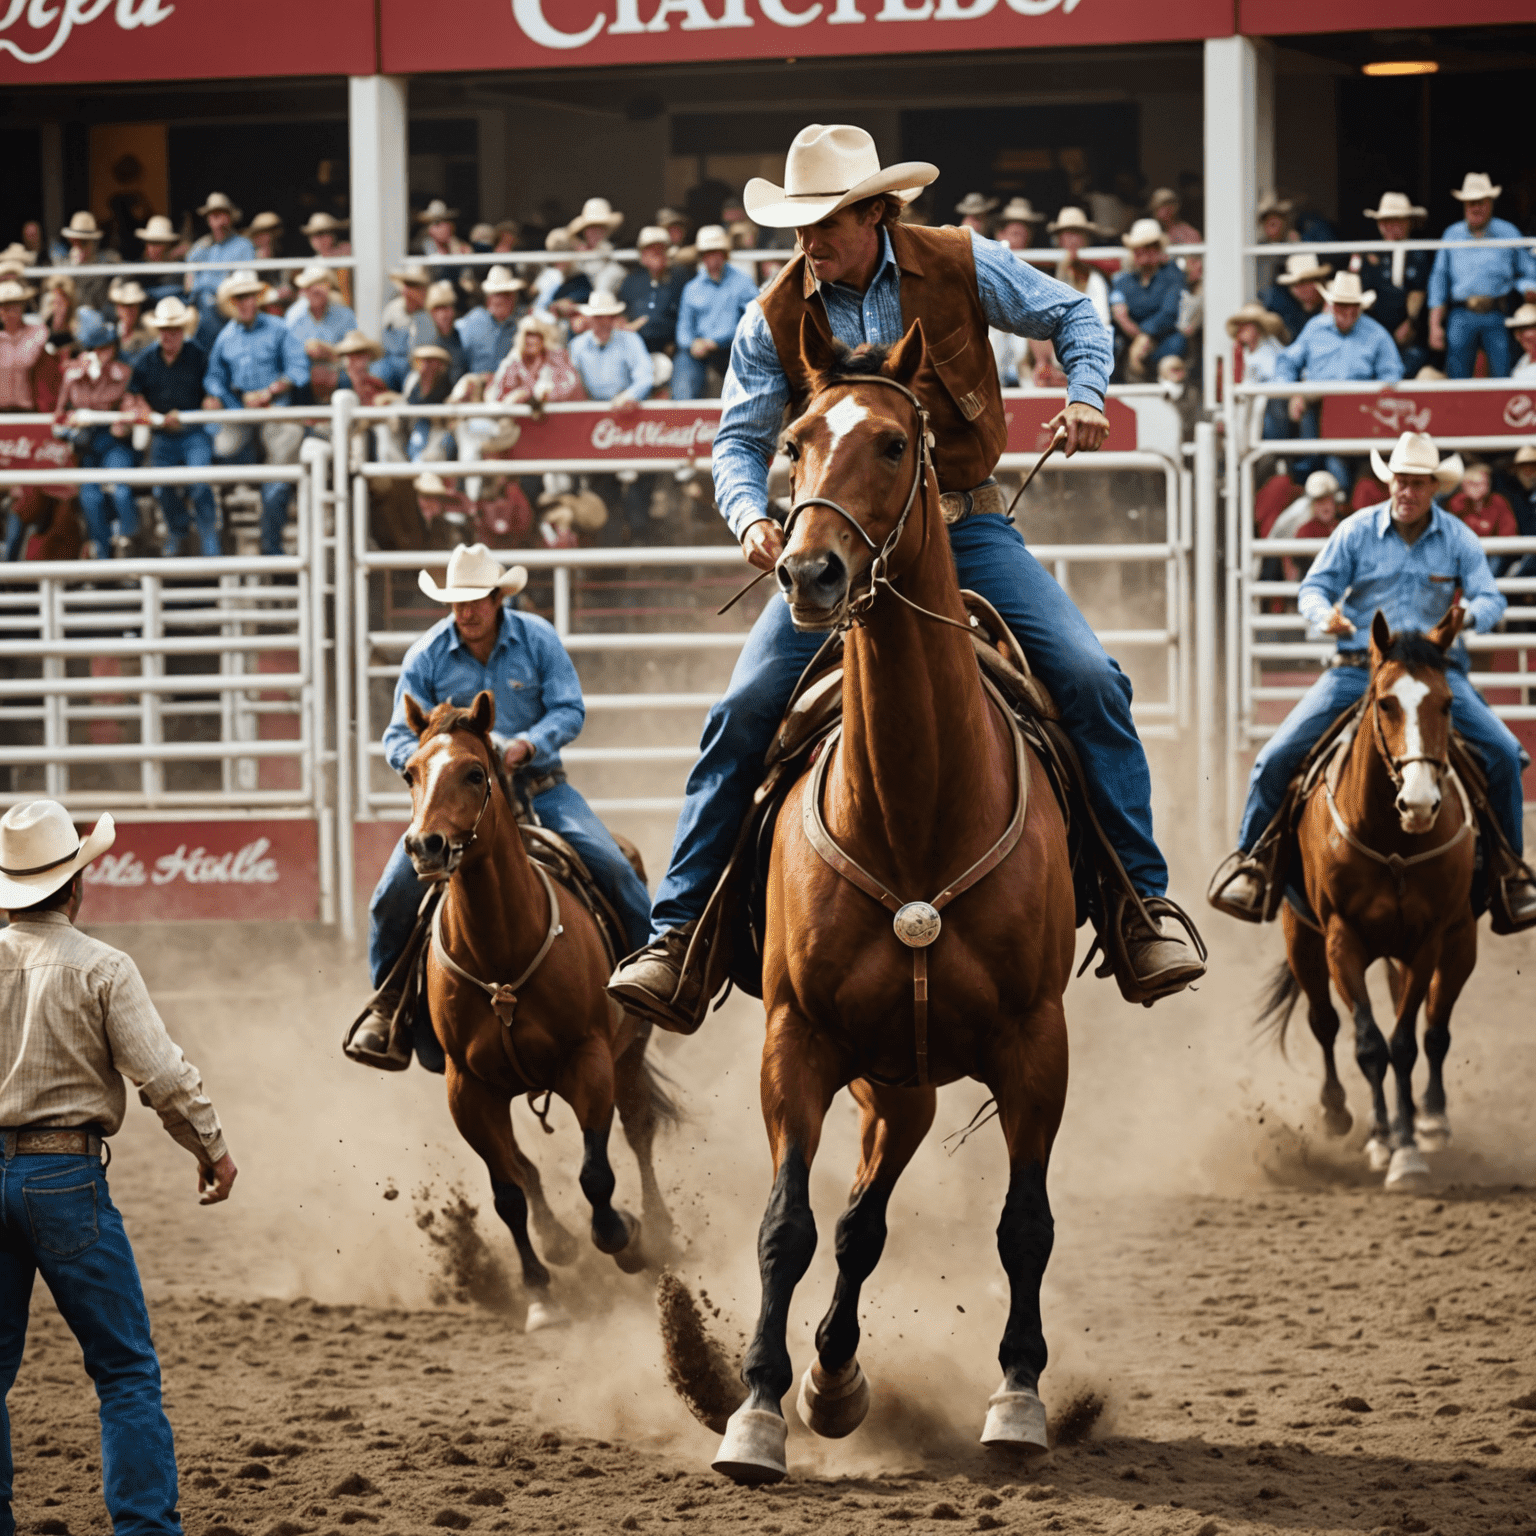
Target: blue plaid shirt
532	679
1015	297
485	342
623	366
230	254
1412	584
244	358
1460	275
1323	351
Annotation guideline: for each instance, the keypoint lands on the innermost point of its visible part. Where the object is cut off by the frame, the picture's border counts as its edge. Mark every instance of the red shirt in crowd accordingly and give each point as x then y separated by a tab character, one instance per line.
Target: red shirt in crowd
1490	519
21	357
91	385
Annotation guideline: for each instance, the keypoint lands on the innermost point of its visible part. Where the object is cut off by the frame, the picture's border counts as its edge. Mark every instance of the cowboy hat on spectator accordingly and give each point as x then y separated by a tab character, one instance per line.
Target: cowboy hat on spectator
559	239
1254	313
1415	454
240	284
1303	267
1161	198
712	238
1073	218
827	168
40	851
1144	232
1020	211
430	349
14	291
170	313
263	222
552	334
652	234
670	216
973	205
61	281
1527	455
16	254
437	211
1345	289
412	275
500	280
430	484
473	572
321	223
1523	318
442	292
82	226
1321	483
602	304
313	274
482	234
126	291
1275	204
1475	186
92	331
1396	205
356	341
159	231
596	210
588	510
216	202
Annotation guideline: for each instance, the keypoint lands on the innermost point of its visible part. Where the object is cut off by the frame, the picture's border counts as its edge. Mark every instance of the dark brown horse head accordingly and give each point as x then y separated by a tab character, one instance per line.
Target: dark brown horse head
452	775
1410	704
854	466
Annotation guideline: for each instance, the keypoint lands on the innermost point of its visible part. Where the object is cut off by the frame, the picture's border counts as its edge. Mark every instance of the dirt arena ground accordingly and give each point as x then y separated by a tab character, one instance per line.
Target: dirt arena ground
1278	1346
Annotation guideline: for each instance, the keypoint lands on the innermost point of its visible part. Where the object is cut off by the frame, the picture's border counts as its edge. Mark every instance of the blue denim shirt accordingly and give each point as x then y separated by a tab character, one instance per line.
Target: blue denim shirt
485	342
622	366
1015	297
1322	351
229	255
1478	269
534	683
1412	584
251	357
1153	306
713	309
338	320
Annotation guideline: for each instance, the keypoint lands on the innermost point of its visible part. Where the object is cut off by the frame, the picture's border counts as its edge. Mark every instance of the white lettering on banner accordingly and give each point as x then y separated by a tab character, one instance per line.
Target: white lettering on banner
652	432
120	869
31	450
245	866
1399	415
1519	413
65	16
697	17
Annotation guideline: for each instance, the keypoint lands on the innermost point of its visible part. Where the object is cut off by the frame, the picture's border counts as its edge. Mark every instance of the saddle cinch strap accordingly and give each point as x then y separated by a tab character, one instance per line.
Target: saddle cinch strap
916	923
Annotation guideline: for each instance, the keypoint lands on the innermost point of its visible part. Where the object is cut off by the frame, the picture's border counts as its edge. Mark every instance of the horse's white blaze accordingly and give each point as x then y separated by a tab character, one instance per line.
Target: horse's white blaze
844	417
1420	791
441	754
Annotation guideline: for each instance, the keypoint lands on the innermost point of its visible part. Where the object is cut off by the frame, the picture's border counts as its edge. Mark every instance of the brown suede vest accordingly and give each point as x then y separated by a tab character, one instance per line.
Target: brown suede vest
957	383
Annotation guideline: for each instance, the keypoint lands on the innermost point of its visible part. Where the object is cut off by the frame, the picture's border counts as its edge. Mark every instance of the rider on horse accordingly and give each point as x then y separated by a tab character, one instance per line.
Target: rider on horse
1407	557
863	276
486	643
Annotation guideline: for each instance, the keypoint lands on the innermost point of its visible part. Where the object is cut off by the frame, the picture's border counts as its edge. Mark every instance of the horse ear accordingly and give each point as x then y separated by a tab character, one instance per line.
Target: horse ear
1445	632
1381	638
415	716
907	356
482	713
817	352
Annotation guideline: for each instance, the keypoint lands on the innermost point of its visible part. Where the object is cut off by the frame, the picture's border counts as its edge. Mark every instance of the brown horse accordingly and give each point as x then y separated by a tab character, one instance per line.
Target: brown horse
1387	859
928	790
515	983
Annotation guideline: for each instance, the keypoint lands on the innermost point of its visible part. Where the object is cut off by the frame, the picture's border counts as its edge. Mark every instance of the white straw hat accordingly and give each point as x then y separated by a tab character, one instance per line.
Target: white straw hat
1415	454
1321	483
1475	186
828	167
1522	318
712	238
500	280
596	210
314	274
217	202
473	573
1396	205
158	231
40	851
82	226
652	234
171	314
1345	289
1019	210
602	303
1303	267
1073	218
1144	232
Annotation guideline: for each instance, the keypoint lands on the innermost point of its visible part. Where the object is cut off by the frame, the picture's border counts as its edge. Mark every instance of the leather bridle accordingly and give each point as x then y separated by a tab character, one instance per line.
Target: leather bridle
1395	765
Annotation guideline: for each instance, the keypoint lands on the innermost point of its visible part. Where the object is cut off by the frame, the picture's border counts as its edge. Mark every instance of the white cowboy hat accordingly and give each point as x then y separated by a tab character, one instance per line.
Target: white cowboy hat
436	211
602	304
829	167
1073	218
1321	483
82	226
358	341
1396	205
652	234
430	484
559	239
1275	204
1019	210
216	202
1161	198
1522	318
1415	454
171	314
1254	313
1526	455
413	274
1144	232
596	210
1303	267
1475	186
321	223
263	222
431	349
440	293
126	291
473	572
712	238
973	204
159	231
14	291
40	851
1345	289
241	283
312	275
500	280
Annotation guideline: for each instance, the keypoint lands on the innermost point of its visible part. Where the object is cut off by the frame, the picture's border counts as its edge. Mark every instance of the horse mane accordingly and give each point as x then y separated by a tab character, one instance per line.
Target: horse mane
1415	651
446	718
861	362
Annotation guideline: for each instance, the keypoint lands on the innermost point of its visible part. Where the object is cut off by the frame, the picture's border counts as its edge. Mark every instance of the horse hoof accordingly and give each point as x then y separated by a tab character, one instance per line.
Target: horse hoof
1408	1171
546	1314
559	1246
752	1450
833	1405
1015	1422
1338	1121
631	1257
1432	1132
1378	1154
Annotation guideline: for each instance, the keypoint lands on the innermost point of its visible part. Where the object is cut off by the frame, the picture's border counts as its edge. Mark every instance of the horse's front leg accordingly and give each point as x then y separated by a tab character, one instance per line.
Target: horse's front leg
801	1071
1026	1069
1408	1170
586	1084
1308	959
1458	955
834	1392
1347	962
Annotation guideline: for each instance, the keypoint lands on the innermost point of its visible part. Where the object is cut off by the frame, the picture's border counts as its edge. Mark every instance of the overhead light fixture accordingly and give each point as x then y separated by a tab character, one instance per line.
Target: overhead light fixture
1401	67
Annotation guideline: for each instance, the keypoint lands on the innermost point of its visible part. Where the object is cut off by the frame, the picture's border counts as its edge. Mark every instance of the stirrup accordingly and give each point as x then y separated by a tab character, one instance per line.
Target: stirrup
675	1011
1227	871
362	1044
1132	987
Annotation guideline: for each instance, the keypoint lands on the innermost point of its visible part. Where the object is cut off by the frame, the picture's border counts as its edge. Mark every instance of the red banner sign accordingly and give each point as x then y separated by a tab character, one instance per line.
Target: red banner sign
51	41
1259	18
536	34
1443	413
26	445
202	871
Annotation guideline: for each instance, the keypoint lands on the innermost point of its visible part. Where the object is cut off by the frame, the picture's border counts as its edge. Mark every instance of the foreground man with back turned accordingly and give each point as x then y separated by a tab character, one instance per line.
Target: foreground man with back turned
863	276
75	1019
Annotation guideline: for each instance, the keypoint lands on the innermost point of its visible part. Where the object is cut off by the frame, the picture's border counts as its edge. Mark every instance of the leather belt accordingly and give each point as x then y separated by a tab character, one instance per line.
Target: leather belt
533	788
1360	659
986	497
38	1143
1481	304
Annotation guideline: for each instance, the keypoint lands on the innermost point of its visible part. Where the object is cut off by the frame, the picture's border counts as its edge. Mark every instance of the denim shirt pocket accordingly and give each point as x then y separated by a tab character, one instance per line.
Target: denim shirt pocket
63	1219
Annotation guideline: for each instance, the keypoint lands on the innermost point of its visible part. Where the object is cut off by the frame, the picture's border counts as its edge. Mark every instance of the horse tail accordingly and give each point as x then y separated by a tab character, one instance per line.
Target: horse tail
1278	1002
659	1088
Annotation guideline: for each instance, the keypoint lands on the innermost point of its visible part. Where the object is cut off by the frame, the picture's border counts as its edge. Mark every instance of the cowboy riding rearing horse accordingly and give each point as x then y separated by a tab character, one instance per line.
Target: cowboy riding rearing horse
863	276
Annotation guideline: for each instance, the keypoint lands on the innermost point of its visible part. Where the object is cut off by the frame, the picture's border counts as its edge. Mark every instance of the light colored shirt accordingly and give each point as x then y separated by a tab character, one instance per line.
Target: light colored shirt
1323	351
1412	584
229	254
331	327
1478	269
1015	297
250	357
75	1020
713	309
552	378
401	329
529	674
485	341
1259	365
622	366
1525	368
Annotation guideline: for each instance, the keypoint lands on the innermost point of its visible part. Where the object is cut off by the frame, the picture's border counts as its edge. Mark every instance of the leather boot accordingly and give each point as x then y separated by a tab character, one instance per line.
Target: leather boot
650	983
1161	960
1520	894
1238	889
375	1043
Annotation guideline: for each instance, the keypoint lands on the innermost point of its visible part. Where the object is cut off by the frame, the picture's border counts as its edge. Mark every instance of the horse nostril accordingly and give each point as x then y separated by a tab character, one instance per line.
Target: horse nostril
433	843
781	574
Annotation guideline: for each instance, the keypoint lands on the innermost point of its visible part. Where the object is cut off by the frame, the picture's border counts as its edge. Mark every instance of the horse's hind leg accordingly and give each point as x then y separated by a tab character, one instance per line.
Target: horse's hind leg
643	1105
834	1393
1028	1077
1308	958
587	1085
1458	955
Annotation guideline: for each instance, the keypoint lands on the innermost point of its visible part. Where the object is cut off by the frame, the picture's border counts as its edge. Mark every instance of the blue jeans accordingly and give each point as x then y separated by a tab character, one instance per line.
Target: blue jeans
57	1217
392	911
1334	692
1466	332
1094	696
191	448
100	450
